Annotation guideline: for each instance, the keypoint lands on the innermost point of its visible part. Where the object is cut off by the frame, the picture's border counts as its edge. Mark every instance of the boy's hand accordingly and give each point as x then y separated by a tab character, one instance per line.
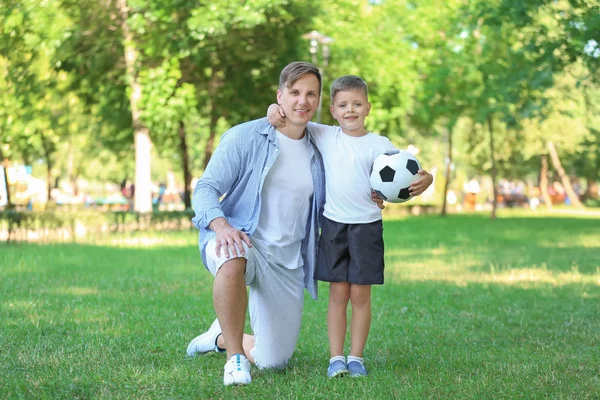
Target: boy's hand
420	185
377	200
276	116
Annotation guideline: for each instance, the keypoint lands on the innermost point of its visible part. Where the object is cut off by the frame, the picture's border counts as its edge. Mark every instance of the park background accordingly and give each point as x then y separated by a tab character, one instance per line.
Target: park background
111	109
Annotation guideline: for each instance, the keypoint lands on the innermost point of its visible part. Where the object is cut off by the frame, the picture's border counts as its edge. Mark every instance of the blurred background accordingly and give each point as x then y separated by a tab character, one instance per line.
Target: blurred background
117	105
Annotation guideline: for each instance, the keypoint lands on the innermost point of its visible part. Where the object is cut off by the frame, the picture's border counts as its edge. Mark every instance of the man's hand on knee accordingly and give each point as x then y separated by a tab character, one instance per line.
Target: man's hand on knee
229	239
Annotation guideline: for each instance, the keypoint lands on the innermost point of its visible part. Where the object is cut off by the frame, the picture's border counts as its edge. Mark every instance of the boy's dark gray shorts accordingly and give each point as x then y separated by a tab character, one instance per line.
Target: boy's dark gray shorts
351	253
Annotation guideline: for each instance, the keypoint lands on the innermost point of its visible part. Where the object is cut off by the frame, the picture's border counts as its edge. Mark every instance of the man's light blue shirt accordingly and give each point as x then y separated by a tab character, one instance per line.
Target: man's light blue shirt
237	170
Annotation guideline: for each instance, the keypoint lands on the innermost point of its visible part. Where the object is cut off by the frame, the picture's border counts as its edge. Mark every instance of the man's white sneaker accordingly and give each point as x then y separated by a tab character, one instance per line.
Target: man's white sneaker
237	371
206	342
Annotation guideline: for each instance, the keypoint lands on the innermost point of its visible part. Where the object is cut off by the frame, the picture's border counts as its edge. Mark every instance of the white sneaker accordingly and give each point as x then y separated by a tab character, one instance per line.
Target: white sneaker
206	342
237	371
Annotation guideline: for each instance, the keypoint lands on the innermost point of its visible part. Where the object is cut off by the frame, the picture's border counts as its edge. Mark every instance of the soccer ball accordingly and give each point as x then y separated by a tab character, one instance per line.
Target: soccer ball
392	174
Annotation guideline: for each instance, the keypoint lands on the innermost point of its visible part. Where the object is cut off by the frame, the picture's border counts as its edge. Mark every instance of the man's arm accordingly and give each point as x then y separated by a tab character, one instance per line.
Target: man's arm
219	177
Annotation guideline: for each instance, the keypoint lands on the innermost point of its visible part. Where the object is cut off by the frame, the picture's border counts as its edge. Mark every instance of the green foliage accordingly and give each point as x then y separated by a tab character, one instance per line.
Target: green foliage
209	65
386	60
197	63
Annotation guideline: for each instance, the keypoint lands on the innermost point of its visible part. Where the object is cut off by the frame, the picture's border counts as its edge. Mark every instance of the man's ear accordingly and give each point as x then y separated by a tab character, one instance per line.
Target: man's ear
331	110
279	94
368	108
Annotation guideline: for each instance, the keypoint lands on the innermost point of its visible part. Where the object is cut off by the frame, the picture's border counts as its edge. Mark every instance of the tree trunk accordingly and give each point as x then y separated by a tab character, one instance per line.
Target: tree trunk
210	143
72	173
591	174
74	183
214	86
544	182
493	159
48	150
448	169
590	187
185	163
563	177
143	193
6	187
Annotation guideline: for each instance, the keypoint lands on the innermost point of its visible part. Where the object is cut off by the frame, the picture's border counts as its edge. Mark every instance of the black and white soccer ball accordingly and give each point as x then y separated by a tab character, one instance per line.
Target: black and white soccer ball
392	174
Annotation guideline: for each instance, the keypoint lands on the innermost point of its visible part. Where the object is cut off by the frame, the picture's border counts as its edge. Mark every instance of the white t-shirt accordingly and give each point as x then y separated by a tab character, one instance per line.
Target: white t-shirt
285	202
348	161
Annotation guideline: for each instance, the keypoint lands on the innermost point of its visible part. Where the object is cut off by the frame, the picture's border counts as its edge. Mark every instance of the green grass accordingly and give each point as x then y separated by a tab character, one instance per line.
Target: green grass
471	308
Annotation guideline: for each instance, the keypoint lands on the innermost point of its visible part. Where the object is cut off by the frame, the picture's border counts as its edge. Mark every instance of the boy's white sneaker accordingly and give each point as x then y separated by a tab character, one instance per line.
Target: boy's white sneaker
206	342
237	371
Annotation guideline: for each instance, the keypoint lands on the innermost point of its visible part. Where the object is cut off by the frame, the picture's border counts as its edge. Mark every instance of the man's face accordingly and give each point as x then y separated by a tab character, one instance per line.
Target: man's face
300	100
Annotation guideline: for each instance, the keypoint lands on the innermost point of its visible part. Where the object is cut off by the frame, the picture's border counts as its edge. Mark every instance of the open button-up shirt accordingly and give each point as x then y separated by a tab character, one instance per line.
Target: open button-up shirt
237	170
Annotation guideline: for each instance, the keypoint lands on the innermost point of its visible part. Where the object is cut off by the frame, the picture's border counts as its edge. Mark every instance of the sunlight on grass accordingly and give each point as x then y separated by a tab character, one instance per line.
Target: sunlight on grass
22	305
147	241
581	240
513	276
537	275
76	291
557	212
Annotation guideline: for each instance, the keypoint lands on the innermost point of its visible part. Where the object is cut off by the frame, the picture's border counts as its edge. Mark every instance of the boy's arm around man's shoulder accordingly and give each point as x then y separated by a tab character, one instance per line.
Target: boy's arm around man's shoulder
319	131
277	118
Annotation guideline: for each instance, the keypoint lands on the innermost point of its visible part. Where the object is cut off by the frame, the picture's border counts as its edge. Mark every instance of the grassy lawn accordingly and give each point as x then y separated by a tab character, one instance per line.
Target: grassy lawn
471	308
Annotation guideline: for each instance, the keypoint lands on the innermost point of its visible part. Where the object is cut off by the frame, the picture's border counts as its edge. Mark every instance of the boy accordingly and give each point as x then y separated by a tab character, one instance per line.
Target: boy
351	246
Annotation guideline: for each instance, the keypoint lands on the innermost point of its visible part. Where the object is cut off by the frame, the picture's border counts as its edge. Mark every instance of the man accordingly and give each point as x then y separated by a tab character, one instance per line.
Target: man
264	232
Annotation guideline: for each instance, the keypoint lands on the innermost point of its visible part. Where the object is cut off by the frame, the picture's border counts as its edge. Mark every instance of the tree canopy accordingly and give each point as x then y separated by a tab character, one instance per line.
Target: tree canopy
493	80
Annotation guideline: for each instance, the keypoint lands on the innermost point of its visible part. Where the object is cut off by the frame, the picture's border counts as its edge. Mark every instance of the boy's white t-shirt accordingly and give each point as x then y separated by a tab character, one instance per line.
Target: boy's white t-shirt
348	161
285	202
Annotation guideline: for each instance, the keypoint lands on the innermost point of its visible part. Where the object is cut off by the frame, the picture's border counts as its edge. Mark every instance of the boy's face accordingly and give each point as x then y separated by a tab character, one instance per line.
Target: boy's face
300	100
350	108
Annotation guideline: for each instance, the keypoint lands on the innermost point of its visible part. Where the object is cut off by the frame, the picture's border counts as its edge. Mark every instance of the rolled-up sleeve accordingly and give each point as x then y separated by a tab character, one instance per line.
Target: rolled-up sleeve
220	175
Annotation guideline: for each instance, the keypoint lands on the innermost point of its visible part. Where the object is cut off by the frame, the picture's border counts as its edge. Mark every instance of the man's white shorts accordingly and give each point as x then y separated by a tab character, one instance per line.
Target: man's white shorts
275	302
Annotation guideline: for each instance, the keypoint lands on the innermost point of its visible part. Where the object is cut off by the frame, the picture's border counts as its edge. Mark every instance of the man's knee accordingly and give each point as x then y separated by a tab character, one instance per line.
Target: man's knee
275	350
232	269
274	360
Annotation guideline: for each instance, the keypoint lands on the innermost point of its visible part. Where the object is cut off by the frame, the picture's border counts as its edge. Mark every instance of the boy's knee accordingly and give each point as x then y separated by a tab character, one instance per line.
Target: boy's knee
339	304
339	294
360	300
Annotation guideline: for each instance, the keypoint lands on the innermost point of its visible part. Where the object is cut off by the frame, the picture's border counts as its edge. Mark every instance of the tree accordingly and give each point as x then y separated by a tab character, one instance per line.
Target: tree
193	63
37	111
447	74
